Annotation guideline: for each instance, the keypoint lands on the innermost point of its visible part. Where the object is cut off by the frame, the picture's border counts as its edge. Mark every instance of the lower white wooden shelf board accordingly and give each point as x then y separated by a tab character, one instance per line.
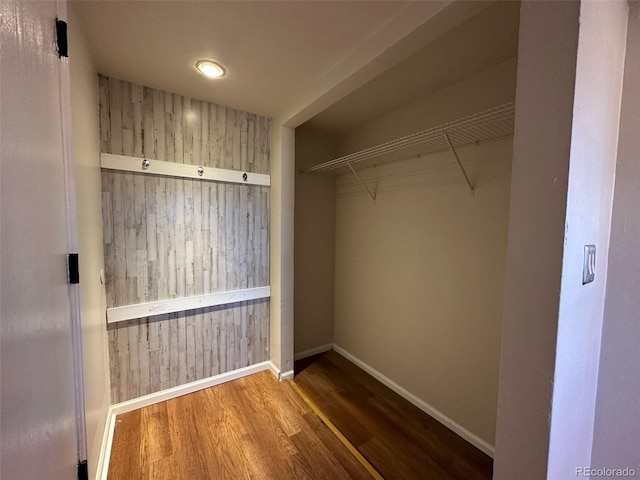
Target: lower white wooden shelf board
141	310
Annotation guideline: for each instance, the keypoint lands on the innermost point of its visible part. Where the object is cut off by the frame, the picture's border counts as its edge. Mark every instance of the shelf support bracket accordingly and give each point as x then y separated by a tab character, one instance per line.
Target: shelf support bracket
372	195
455	154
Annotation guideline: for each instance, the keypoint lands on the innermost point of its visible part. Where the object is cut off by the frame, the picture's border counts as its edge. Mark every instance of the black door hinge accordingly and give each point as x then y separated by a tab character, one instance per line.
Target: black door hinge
74	268
83	470
62	42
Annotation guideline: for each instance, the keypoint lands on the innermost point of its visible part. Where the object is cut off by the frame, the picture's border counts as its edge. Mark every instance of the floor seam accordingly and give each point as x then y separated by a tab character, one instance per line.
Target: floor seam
345	441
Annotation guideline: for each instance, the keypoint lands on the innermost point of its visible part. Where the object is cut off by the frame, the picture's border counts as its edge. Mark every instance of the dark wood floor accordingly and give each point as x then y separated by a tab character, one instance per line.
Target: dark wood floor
254	427
397	438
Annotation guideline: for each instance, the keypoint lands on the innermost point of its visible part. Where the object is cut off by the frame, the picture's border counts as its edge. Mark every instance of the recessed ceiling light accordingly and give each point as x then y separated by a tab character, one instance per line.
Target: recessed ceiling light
210	69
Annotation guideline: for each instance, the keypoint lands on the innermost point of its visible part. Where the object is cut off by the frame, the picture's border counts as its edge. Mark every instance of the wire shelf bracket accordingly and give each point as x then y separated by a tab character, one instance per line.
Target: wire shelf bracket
464	172
372	195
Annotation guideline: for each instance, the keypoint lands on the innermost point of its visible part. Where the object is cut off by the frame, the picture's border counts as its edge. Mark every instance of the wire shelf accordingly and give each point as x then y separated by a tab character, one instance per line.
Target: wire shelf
481	127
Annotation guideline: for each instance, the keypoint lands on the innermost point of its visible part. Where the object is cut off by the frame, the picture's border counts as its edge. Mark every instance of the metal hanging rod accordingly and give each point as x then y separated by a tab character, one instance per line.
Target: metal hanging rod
488	125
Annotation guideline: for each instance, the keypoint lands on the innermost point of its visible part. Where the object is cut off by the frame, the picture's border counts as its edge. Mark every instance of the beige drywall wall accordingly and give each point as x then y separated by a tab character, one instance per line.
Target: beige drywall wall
616	436
592	161
84	103
419	279
282	195
545	86
491	87
420	272
314	241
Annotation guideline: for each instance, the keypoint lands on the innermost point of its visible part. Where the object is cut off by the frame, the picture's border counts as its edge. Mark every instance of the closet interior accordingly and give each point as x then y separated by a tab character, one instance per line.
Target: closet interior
401	224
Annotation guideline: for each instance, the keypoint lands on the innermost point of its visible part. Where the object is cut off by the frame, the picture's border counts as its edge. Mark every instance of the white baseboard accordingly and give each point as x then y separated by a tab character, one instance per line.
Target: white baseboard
470	437
105	450
187	388
288	375
313	351
168	394
275	370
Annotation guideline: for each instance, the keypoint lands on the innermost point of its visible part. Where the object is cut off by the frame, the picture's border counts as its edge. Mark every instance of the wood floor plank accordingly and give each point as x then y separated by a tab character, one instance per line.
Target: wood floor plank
254	427
397	438
189	454
157	444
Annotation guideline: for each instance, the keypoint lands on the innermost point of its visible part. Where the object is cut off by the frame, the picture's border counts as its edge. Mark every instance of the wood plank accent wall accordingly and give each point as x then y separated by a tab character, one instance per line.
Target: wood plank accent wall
169	237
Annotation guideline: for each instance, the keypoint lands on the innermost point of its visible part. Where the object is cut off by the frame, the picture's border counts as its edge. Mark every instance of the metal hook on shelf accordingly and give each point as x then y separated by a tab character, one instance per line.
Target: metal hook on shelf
145	163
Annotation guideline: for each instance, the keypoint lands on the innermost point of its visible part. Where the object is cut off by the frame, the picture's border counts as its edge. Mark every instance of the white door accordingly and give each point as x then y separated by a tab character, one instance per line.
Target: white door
39	421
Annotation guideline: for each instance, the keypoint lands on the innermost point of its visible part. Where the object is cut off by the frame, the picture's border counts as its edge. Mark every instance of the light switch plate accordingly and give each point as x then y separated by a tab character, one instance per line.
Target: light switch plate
589	266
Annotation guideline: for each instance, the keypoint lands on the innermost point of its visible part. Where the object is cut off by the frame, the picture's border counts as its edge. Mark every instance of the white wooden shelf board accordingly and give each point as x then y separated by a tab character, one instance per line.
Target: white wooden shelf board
173	169
142	310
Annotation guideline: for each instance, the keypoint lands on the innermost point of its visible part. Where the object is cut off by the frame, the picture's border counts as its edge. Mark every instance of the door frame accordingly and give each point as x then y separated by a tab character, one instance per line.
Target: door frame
72	241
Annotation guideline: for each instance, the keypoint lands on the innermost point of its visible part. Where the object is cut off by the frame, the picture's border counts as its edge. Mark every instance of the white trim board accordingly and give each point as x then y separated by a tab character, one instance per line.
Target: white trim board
173	169
288	375
141	310
313	351
107	441
470	437
174	392
275	370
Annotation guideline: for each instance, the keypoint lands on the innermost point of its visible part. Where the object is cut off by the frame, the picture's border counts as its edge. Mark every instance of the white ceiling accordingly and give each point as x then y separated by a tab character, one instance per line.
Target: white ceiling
285	59
487	39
